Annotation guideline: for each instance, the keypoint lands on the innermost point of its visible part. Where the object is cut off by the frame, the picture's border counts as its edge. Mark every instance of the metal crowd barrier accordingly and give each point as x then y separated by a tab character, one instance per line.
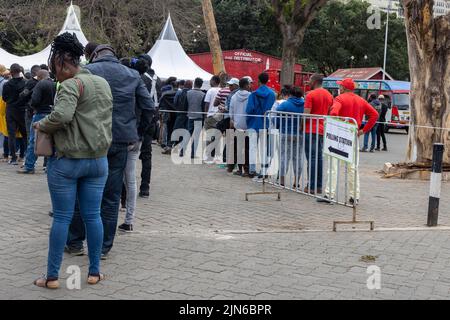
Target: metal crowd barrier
292	157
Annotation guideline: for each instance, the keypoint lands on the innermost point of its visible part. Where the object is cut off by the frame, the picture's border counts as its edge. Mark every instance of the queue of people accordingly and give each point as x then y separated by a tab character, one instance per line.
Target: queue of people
104	116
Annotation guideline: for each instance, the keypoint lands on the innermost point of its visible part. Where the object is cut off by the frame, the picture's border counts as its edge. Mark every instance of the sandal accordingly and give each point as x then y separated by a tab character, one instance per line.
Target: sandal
95	279
44	282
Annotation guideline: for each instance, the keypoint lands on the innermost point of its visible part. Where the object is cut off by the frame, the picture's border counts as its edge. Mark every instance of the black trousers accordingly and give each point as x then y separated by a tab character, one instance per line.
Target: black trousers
381	135
146	159
15	120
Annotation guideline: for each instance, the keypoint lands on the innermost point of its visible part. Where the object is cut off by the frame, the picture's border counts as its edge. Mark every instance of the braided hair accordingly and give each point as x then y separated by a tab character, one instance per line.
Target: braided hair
67	48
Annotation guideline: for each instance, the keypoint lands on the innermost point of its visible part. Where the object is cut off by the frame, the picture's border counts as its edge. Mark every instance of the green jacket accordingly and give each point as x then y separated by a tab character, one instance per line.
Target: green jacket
82	118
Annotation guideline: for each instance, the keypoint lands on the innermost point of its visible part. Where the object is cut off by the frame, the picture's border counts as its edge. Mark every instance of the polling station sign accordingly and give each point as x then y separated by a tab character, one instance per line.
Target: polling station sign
340	139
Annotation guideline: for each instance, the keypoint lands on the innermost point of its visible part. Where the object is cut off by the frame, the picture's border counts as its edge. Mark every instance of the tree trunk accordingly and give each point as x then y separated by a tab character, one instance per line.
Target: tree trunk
289	58
429	59
213	37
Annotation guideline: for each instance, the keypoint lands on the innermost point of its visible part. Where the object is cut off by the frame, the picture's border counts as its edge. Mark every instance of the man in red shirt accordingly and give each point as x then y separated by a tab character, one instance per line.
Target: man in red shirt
318	102
350	105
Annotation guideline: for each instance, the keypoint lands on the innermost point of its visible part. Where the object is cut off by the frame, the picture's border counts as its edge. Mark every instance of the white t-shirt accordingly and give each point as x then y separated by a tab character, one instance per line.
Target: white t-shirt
210	98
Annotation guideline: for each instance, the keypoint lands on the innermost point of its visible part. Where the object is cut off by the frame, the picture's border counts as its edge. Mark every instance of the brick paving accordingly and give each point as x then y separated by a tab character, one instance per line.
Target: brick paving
197	238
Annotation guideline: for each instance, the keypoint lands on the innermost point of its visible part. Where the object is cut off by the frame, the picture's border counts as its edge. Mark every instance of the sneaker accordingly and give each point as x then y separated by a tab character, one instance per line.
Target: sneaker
245	175
167	151
26	171
364	150
325	199
144	194
104	256
74	252
13	162
238	173
126	227
251	175
377	149
371	151
385	149
259	179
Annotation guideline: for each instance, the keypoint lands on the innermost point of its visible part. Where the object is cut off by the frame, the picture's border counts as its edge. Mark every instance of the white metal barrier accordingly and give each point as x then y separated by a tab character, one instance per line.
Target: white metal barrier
312	155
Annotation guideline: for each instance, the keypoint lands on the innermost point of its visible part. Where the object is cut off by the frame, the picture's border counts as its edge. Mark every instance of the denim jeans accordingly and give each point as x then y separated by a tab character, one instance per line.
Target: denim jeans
30	158
131	185
69	179
117	162
314	155
195	134
372	133
291	151
146	159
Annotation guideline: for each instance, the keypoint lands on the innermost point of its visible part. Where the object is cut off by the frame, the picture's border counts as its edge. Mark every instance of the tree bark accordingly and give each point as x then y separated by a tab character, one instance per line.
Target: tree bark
293	21
289	58
429	59
213	37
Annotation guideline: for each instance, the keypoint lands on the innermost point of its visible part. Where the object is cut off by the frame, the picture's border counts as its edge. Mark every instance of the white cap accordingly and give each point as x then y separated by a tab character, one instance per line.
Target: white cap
249	79
380	97
233	81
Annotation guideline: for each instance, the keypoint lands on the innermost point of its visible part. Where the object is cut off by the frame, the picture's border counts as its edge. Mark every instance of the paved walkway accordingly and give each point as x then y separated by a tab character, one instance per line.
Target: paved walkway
198	239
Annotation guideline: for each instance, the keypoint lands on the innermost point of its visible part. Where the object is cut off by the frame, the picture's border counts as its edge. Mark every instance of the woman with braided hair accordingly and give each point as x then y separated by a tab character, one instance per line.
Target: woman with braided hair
81	128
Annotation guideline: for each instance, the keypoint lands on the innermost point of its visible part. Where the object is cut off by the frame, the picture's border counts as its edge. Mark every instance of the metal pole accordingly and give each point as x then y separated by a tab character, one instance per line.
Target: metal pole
435	185
386	40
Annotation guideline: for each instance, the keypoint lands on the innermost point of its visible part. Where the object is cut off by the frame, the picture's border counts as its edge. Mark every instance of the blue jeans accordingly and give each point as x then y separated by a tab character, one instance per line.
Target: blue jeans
314	155
30	158
68	178
117	162
372	133
195	134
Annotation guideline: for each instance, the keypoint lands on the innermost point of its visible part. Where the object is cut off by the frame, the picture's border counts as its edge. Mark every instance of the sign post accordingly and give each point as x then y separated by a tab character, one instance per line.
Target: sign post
341	142
340	139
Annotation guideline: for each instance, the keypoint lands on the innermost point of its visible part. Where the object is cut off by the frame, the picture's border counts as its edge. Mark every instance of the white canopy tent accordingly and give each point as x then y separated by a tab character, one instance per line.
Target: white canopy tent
71	25
170	59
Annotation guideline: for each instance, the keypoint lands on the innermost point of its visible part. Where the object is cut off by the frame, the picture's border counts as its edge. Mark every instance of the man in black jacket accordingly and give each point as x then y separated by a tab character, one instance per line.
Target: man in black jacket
153	84
42	101
15	109
381	129
27	93
131	100
167	103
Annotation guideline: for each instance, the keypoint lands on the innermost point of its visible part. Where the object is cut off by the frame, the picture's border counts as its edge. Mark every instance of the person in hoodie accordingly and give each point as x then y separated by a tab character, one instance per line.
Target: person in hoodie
143	65
259	102
374	102
15	109
291	143
132	104
27	93
168	117
42	101
238	104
